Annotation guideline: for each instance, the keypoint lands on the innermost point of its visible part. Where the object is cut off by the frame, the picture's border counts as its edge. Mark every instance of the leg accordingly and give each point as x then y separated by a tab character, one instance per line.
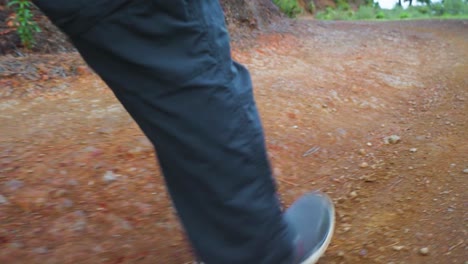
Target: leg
169	64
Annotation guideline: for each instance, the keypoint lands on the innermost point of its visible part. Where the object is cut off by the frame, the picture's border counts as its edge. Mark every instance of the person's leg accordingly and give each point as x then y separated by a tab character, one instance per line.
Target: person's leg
169	64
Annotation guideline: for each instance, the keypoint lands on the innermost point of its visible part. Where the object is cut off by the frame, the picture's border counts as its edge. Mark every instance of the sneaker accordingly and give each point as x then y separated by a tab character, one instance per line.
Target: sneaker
312	219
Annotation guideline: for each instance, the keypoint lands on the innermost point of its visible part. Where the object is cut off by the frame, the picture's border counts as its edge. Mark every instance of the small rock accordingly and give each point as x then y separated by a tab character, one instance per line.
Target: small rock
137	150
277	172
424	251
82	70
413	150
398	248
363	252
369	144
393	139
72	182
465	171
144	141
14	185
16	245
368	178
132	169
67	203
64	204
364	165
342	131
340	254
362	152
109	177
3	200
90	149
353	194
98	249
40	250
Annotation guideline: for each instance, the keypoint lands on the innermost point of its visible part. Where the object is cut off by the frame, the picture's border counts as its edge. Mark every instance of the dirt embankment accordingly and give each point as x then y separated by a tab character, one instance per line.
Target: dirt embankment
242	17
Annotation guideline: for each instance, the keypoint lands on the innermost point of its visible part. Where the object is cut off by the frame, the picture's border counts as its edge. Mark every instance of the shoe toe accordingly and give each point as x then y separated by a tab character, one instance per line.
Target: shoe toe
312	218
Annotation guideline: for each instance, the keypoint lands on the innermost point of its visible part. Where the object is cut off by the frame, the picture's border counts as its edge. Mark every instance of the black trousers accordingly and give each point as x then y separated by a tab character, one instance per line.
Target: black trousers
169	64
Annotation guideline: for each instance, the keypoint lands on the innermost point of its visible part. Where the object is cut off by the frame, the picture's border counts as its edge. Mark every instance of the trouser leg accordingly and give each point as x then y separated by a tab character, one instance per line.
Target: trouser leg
169	64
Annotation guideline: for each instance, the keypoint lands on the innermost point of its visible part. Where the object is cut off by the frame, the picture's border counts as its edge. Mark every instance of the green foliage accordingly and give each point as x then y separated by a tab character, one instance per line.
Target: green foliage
365	12
446	9
454	7
422	9
342	5
404	15
24	21
395	12
437	9
289	7
311	7
380	15
417	12
332	14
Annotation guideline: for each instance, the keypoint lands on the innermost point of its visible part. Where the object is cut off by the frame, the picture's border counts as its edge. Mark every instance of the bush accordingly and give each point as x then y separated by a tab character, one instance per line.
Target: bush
311	7
414	12
465	9
289	7
26	26
335	14
404	15
454	7
365	12
422	9
342	15
342	5
380	15
437	9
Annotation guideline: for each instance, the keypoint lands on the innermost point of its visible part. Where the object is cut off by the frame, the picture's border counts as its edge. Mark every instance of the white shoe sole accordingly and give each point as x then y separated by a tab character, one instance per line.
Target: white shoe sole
316	255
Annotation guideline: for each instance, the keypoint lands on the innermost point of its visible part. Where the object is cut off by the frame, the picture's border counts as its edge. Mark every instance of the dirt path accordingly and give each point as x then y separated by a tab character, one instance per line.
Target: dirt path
78	181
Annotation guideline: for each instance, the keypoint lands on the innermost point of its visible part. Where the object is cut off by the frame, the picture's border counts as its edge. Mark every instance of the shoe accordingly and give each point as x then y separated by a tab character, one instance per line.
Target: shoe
312	219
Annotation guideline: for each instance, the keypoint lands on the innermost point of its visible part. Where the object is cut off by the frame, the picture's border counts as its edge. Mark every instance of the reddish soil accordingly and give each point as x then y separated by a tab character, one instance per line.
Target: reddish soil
328	92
